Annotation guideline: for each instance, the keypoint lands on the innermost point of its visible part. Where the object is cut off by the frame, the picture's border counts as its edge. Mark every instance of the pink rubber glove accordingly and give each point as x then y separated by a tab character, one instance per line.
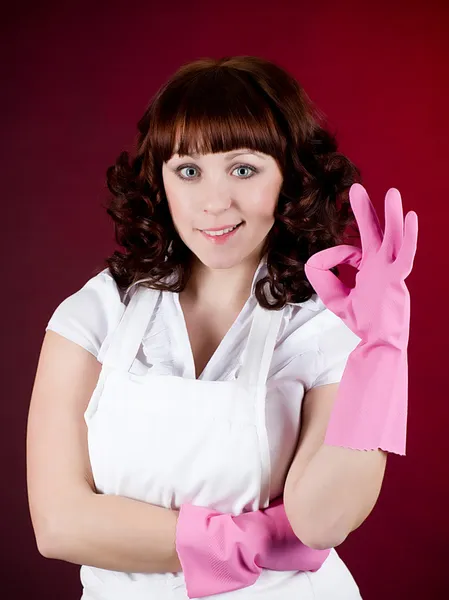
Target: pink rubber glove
370	410
220	553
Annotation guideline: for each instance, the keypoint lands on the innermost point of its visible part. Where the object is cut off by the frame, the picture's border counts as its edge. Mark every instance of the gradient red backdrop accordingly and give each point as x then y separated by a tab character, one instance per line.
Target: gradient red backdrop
76	79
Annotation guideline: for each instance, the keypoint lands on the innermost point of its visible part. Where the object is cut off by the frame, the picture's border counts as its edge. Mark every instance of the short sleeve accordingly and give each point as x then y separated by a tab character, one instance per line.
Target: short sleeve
335	342
90	314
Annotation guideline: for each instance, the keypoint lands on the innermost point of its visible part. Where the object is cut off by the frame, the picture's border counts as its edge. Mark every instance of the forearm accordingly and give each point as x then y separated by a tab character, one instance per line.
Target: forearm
116	533
336	492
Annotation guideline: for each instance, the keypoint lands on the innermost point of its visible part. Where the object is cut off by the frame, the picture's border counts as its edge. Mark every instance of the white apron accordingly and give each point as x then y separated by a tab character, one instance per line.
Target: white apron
170	440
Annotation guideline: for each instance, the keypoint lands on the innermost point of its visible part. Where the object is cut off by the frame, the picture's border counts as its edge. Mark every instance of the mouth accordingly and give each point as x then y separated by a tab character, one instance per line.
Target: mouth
222	235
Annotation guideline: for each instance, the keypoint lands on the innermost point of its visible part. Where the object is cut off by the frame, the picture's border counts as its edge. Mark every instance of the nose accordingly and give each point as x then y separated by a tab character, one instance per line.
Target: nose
216	199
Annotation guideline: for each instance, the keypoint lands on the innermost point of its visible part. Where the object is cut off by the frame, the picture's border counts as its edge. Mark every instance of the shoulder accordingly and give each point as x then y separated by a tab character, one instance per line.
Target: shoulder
316	325
314	343
89	314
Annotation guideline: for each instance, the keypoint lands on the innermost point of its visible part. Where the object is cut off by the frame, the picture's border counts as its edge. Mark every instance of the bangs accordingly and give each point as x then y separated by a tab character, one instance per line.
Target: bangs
215	111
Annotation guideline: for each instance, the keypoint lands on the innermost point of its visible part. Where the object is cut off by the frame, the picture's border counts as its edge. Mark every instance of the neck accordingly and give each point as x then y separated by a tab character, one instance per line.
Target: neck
215	288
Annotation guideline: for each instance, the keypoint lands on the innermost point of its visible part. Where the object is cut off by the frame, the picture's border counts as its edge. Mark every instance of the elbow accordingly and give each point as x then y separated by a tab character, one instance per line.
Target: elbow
46	545
313	532
56	525
55	546
318	538
326	540
45	549
48	535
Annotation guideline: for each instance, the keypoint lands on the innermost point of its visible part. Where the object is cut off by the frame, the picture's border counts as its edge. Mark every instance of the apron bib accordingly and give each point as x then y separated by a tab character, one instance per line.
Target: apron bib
169	440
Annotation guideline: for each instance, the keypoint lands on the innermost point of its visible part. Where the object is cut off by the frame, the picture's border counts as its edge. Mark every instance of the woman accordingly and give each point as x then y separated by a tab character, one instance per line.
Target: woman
180	440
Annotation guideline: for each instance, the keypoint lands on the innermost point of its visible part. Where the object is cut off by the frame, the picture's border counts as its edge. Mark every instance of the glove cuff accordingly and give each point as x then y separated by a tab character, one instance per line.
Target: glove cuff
370	410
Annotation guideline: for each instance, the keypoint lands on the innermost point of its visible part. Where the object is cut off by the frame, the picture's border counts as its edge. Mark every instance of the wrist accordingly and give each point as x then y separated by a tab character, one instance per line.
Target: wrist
256	530
374	350
386	337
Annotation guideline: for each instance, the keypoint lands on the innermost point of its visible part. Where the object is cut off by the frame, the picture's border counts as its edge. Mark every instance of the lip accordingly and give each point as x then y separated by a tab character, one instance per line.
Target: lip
219	240
220	228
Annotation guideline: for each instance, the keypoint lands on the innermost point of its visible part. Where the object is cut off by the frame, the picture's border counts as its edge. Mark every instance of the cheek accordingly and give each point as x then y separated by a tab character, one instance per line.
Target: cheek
263	202
175	198
179	206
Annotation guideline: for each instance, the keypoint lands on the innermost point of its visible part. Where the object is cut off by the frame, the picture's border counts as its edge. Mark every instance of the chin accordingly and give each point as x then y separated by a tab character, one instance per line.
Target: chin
219	258
219	262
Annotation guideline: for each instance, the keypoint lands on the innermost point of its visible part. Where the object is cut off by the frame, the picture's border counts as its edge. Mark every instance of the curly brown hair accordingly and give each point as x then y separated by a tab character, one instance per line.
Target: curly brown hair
218	105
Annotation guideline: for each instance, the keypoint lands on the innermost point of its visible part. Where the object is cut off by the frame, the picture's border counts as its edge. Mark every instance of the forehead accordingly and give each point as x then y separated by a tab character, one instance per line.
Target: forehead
224	140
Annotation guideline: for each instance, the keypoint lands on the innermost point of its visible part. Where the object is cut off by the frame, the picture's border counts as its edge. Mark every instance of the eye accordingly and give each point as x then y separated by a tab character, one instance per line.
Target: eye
179	169
252	169
190	168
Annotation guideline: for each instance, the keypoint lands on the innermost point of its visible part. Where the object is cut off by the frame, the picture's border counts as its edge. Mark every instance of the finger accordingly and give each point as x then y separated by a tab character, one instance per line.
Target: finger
333	292
394	223
370	230
406	256
337	255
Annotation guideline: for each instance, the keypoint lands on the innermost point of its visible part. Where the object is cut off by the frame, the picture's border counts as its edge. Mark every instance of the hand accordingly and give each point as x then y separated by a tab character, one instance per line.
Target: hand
220	552
378	307
274	544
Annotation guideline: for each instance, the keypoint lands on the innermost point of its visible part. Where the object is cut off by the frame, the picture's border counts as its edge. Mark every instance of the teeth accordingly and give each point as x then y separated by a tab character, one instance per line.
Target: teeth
221	232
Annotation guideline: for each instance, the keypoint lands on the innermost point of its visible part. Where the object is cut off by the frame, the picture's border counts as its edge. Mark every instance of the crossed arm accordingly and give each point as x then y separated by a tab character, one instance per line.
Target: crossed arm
328	492
71	521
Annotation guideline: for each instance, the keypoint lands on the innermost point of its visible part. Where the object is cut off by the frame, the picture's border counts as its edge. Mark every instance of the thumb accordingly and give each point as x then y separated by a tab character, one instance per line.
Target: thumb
333	292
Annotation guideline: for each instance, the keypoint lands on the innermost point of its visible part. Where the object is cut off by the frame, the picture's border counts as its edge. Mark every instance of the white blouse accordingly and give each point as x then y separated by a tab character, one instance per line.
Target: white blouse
312	346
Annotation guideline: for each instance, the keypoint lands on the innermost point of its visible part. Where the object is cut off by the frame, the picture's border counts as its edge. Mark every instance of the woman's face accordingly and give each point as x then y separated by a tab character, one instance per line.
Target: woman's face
216	191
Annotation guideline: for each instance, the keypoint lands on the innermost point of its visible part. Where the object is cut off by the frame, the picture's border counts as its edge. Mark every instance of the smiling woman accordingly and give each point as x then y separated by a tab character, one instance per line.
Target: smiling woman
166	428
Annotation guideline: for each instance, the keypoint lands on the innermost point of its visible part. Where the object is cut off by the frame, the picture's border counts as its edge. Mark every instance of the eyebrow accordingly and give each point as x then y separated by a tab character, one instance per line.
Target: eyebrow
232	155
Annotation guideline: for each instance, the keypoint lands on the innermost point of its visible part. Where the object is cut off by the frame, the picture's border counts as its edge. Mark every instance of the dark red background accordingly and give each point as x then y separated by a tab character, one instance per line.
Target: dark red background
76	78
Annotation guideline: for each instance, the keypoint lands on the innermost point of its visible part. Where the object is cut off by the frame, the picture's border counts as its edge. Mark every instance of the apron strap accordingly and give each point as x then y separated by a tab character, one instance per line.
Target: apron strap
260	346
257	359
129	333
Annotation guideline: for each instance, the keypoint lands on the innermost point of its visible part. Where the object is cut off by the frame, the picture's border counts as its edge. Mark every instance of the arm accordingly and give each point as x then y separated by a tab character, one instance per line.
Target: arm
338	471
70	520
329	490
